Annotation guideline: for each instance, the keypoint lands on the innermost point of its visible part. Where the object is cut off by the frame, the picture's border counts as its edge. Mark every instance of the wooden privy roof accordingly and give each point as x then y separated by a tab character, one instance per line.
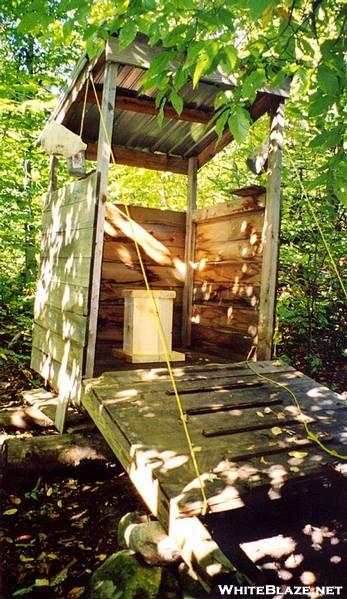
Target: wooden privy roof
138	139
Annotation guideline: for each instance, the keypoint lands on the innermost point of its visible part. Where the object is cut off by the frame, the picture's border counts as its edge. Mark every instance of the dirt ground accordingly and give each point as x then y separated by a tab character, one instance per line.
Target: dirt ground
56	531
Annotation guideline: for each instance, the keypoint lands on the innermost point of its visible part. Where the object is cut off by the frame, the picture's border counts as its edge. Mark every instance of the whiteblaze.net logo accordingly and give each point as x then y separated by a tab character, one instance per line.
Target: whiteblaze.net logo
230	590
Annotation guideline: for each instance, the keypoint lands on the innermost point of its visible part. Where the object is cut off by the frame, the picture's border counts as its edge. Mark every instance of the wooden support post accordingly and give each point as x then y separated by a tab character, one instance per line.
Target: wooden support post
189	252
103	162
270	236
52	174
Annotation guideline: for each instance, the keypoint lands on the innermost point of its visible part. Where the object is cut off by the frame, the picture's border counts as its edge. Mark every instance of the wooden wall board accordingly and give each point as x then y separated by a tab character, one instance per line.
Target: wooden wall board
63	296
228	209
121	251
52	344
163	276
74	192
112	293
67	325
228	272
229	229
75	216
236	318
219	251
72	270
68	243
227	275
146	216
240	293
221	340
64	377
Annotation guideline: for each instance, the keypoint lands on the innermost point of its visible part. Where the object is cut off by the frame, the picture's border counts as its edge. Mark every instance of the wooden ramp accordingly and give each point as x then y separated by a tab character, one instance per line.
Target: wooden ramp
248	436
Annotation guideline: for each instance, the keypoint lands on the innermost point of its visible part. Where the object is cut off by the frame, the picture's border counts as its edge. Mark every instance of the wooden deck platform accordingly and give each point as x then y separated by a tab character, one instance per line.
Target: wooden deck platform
250	443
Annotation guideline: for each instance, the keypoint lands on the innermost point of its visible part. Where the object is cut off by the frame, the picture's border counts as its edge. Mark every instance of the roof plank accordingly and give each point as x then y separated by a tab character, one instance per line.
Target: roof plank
140	159
146	106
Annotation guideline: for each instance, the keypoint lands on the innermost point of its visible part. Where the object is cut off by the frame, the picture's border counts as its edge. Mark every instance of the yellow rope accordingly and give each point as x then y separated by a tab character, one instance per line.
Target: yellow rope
310	434
158	324
84	106
326	245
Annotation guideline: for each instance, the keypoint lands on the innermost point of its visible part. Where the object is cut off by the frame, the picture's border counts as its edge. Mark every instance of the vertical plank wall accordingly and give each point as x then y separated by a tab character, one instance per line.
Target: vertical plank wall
161	236
61	302
227	273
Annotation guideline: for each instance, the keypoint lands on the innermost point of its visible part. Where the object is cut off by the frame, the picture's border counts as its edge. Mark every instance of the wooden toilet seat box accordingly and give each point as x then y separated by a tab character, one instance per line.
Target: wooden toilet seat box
141	336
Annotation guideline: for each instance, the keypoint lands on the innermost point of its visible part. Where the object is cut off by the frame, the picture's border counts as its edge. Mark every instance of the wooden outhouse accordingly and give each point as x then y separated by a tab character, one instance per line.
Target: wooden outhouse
230	444
220	261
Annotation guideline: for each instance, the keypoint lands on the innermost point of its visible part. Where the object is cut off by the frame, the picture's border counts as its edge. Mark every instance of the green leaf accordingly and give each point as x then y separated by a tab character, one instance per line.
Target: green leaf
205	60
201	67
319	104
177	101
252	83
221	123
22	591
127	34
230	54
326	139
328	81
10	512
239	123
258	7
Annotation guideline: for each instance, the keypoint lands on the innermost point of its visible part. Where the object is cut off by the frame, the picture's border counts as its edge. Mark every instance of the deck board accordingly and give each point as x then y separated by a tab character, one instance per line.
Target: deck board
258	447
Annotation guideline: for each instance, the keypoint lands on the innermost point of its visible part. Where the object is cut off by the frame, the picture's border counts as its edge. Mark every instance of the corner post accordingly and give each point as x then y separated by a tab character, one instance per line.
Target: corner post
270	236
189	251
52	173
103	163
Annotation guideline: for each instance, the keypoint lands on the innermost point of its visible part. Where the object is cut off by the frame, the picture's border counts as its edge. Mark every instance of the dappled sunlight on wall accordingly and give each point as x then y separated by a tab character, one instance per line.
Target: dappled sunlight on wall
61	302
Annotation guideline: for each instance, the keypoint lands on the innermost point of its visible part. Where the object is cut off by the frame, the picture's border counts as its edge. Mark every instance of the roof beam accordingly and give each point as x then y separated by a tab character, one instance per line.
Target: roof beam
146	106
157	162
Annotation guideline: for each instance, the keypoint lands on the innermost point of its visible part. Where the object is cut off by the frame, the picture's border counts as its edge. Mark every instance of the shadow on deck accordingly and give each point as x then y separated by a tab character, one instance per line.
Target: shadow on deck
249	441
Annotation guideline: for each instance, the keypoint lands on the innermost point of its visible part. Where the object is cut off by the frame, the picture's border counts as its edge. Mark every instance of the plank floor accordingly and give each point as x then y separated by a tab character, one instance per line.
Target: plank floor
248	434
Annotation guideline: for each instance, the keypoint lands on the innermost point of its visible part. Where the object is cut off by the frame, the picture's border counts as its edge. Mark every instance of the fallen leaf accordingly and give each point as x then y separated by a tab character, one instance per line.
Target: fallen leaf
10	512
15	500
297	454
49	492
24	559
41	582
76	592
102	556
276	430
22	591
260	414
59	503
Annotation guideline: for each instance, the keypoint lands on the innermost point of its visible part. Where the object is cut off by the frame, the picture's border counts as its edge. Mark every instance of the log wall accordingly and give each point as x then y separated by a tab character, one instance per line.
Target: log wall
61	302
227	276
161	237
